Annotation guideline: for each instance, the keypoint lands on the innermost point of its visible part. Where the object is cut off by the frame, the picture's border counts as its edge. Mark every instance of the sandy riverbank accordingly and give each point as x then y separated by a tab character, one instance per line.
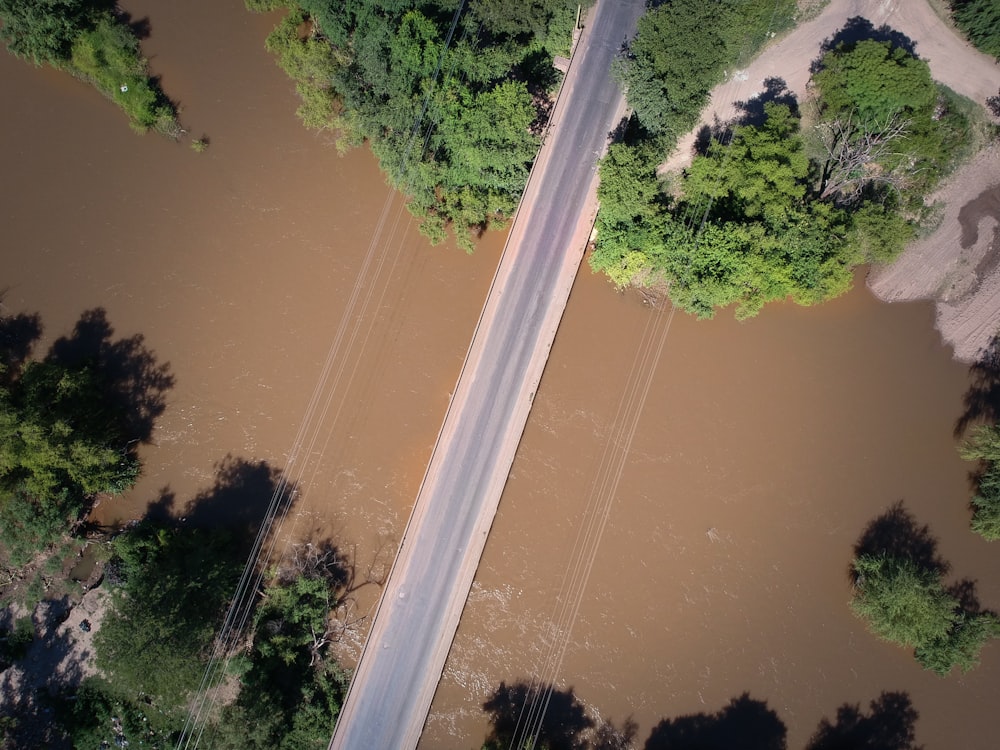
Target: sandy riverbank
958	265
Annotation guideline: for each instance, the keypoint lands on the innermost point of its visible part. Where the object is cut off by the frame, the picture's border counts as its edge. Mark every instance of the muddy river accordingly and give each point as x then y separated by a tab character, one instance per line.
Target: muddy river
762	451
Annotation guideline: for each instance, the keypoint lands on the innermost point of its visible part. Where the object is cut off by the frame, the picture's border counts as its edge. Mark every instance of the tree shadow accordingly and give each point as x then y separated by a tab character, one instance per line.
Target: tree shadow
141	27
162	510
240	499
516	716
134	381
745	723
896	534
964	592
18	336
982	400
775	92
859	29
887	726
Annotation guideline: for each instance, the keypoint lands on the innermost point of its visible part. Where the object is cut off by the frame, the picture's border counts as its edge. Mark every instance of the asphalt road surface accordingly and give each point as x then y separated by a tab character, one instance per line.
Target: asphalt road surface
421	605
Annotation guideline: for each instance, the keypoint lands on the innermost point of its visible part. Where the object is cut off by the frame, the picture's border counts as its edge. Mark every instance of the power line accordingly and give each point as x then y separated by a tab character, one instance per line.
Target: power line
604	488
359	301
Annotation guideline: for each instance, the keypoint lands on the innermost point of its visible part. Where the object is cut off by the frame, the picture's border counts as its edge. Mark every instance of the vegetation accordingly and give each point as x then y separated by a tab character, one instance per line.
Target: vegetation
684	48
291	689
900	594
173	587
763	213
61	443
14	642
99	716
980	21
984	446
452	105
901	601
89	39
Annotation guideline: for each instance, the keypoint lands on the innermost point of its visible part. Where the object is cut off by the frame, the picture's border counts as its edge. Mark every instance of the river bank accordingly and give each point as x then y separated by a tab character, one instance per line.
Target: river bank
958	264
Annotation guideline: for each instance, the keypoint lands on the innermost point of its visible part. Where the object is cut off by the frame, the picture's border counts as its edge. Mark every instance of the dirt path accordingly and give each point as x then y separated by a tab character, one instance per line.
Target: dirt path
957	265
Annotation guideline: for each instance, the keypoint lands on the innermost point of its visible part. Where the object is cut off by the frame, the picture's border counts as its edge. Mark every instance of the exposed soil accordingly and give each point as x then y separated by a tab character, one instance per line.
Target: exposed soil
957	264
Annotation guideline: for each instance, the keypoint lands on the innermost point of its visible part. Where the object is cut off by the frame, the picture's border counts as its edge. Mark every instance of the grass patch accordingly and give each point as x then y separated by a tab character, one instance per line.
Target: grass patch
108	56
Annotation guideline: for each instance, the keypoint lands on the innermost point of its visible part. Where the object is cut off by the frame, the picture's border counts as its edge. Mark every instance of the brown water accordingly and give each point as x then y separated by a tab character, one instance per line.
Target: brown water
763	450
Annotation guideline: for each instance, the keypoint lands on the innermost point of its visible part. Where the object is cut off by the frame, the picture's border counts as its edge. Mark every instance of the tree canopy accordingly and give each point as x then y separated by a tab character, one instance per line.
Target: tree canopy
91	40
682	49
174	585
61	443
980	21
452	104
43	31
984	446
904	601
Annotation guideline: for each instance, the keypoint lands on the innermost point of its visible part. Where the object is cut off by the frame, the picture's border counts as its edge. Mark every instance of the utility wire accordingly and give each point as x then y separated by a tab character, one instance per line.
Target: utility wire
285	490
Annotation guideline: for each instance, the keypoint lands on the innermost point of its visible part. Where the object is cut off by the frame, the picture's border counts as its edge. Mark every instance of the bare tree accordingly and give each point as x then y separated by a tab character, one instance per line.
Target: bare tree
855	150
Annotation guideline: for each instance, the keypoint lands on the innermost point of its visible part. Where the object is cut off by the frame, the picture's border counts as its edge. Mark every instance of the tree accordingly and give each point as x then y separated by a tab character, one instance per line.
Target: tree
984	446
960	647
902	602
875	80
98	716
174	586
760	173
980	21
43	31
291	692
682	49
884	121
855	149
452	113
60	444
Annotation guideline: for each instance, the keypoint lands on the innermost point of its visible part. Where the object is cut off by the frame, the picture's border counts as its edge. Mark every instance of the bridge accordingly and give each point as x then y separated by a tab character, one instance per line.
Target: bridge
417	616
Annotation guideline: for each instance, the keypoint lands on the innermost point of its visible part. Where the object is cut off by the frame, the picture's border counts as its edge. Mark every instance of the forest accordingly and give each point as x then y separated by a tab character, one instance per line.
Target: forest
784	202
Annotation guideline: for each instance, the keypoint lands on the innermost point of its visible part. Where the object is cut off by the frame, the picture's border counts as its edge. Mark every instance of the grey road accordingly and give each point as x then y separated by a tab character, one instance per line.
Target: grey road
422	602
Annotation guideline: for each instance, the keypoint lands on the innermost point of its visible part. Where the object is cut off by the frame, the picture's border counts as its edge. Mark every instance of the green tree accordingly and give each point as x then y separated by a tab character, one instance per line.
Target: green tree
980	21
984	446
682	49
880	102
97	716
901	601
43	31
760	173
175	585
452	115
960	647
60	444
291	691
874	79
